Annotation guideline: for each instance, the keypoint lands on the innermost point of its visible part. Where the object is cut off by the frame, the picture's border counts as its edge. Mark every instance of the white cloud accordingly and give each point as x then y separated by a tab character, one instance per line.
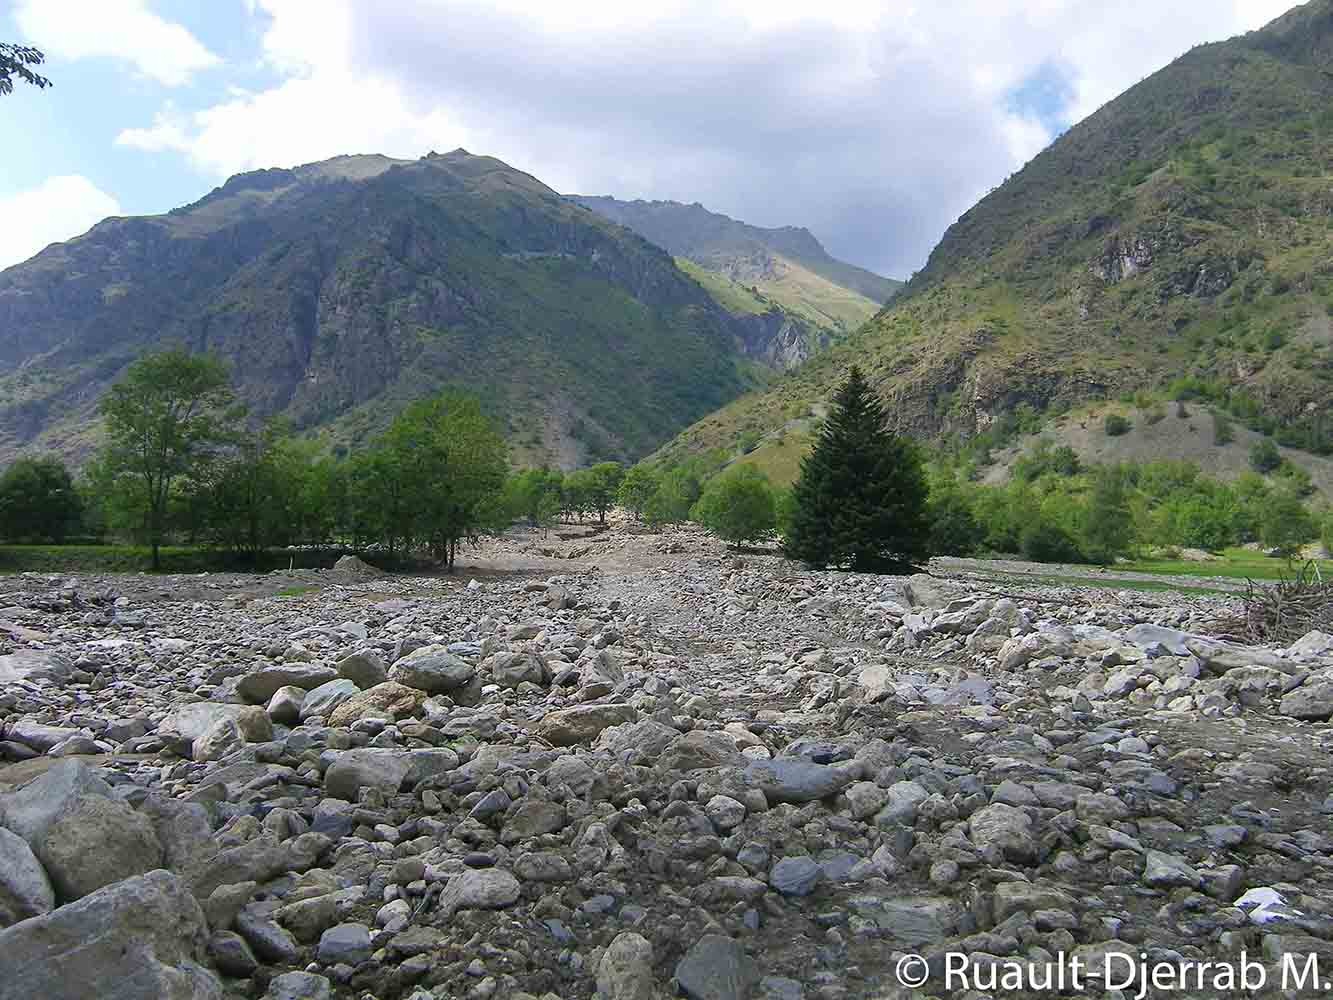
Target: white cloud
57	209
120	29
875	125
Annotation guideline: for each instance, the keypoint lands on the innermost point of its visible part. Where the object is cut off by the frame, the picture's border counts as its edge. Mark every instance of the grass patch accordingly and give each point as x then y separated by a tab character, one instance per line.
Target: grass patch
298	591
139	558
1237	564
1104	583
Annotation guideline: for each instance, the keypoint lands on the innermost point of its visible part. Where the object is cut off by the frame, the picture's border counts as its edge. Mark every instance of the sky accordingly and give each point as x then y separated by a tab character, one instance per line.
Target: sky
874	123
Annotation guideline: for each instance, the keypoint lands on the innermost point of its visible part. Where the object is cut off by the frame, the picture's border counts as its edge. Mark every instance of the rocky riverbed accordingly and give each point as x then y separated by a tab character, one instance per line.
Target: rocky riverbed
635	766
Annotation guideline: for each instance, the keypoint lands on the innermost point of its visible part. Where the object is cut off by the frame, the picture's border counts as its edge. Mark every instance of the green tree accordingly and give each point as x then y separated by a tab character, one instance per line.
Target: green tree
678	490
537	496
38	500
166	416
14	63
954	527
1108	526
453	466
599	485
1286	524
637	488
861	495
737	506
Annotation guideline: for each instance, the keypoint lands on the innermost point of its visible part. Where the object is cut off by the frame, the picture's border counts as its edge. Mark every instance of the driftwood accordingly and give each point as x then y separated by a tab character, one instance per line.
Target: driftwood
1281	613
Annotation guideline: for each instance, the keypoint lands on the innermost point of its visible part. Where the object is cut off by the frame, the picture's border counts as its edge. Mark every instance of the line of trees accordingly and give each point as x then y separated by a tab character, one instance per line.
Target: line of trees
179	464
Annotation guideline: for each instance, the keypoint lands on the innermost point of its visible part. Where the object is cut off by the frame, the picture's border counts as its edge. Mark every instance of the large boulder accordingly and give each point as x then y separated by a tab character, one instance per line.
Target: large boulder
321	701
512	669
364	669
389	700
1312	700
186	723
258	687
31	811
25	891
432	669
144	938
33	665
797	780
583	723
626	969
1003	831
97	841
648	738
368	767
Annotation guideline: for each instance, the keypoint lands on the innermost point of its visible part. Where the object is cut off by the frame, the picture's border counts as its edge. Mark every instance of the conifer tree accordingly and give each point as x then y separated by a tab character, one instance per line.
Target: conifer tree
860	500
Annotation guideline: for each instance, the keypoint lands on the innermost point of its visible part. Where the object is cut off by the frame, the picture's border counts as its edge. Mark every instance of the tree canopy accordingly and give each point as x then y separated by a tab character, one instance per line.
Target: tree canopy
15	61
168	414
860	500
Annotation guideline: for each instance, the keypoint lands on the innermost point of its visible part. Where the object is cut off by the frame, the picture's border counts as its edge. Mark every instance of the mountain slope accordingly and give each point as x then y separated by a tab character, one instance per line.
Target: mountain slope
787	267
339	291
1183	230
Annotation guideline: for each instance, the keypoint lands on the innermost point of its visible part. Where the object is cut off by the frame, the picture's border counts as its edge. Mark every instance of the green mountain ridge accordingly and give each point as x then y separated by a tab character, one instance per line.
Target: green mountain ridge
1180	232
785	266
337	292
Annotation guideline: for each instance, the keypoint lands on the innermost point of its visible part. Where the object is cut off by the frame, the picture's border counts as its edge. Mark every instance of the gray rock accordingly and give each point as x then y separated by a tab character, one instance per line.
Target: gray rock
321	701
32	809
532	819
716	968
512	669
698	749
186	723
257	860
1312	700
365	768
648	738
258	687
299	985
232	955
365	669
139	938
1166	871
34	664
796	876
479	889
432	669
25	890
40	737
1004	831
910	921
348	943
797	780
901	801
217	741
626	969
285	705
95	842
269	941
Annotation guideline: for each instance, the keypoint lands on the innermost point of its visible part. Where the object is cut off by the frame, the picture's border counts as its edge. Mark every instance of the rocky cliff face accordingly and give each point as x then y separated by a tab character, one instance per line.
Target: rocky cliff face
338	291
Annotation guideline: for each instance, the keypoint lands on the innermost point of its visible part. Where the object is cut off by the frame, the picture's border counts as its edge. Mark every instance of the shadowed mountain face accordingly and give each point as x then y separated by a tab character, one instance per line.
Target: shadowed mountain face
339	291
1185	229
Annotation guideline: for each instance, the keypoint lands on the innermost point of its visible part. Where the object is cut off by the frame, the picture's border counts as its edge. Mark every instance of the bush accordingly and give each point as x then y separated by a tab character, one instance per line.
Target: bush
1115	425
1045	541
1265	457
1223	432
